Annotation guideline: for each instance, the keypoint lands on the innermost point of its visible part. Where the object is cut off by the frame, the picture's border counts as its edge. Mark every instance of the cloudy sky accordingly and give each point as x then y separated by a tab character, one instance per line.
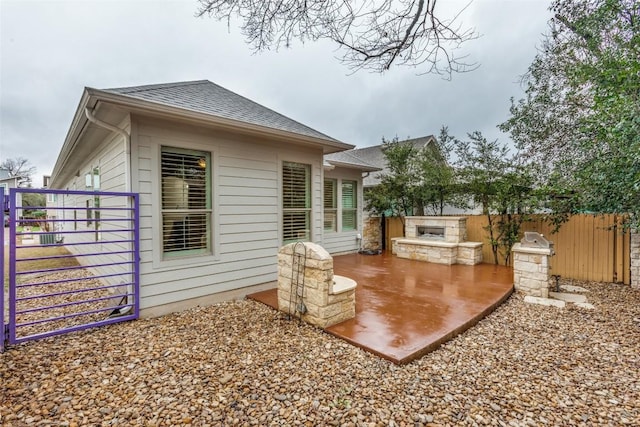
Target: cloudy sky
51	50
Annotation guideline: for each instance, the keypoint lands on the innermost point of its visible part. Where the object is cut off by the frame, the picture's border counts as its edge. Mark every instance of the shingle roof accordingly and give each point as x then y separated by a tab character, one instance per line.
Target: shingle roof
374	156
206	97
346	158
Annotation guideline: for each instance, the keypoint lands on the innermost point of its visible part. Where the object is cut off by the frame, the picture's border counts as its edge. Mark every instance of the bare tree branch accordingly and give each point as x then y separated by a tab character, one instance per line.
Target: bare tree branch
19	168
372	34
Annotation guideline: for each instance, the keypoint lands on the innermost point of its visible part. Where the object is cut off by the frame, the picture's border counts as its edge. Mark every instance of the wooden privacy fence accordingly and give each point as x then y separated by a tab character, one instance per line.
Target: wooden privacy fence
587	247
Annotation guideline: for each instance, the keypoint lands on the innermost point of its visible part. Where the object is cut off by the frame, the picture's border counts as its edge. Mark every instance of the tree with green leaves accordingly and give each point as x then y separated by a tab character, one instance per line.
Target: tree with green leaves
437	178
580	119
500	182
396	192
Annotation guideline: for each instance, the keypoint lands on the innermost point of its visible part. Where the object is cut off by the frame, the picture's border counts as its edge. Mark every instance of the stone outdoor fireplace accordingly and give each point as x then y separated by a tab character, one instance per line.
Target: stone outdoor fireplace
439	239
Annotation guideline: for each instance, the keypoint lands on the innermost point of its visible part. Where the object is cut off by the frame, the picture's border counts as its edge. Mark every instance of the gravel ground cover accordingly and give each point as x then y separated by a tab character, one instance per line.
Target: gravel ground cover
241	363
79	296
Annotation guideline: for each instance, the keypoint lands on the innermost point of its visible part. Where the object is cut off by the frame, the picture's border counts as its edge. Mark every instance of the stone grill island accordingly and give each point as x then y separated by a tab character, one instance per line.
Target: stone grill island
437	239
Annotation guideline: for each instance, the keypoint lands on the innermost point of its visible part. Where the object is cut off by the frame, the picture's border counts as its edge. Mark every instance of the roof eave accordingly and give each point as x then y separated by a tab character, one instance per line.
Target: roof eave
77	124
143	106
364	168
91	96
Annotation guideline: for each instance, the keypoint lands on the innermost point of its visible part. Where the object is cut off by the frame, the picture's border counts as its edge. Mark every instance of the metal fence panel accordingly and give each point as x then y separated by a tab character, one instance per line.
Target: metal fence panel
73	262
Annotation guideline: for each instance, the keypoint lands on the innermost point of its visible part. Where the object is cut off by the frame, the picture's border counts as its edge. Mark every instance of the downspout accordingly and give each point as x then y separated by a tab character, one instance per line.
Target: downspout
127	144
127	183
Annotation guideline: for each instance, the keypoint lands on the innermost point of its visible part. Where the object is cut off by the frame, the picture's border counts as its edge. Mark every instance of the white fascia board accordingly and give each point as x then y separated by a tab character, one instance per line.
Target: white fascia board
77	124
364	168
166	111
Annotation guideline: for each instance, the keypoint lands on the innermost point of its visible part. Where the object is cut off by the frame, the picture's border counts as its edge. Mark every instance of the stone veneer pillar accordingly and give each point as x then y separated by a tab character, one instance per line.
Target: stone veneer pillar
532	270
371	233
635	260
324	306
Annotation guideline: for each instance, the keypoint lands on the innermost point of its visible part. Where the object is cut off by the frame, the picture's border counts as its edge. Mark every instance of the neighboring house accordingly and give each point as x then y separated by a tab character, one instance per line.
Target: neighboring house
375	157
236	178
8	181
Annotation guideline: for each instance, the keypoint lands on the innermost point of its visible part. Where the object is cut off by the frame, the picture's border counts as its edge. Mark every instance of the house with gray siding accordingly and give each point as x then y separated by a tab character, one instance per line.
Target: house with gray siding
374	156
7	182
223	183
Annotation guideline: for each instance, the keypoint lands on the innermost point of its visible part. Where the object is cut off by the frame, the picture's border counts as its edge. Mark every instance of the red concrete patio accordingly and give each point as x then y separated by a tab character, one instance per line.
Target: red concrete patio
405	308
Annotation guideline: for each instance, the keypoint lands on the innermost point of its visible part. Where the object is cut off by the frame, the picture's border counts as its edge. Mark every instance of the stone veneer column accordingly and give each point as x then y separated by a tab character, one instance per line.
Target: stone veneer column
635	260
371	233
532	270
324	308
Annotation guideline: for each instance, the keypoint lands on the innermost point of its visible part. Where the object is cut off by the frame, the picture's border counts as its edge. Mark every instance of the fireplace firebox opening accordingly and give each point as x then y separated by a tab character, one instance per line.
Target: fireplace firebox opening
428	232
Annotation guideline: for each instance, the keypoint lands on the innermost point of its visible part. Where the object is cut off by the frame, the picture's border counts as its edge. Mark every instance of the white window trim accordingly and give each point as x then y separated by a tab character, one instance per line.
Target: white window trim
316	193
355	210
339	209
159	262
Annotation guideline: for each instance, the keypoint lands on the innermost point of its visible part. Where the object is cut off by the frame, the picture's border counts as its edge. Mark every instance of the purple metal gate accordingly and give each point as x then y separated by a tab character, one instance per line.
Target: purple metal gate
73	262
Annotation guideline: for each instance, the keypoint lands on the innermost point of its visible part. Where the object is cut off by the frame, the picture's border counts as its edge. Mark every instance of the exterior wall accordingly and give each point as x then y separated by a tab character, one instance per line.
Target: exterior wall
246	229
6	185
337	242
110	159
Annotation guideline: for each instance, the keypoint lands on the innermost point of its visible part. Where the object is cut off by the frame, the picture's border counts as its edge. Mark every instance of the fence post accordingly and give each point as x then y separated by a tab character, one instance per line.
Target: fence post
634	250
3	334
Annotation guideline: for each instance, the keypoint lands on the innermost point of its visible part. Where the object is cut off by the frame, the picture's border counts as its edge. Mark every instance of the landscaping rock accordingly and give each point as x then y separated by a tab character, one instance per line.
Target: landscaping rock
524	364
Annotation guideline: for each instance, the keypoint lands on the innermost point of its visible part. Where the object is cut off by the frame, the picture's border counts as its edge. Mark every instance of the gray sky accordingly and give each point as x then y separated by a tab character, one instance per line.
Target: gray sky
51	50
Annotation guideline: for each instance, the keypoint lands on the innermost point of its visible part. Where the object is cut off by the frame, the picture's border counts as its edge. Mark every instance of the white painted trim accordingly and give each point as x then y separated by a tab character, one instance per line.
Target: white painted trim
159	263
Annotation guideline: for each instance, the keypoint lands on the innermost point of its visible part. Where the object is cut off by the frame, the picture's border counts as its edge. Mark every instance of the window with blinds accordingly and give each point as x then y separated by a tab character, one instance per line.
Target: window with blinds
330	205
186	202
349	206
296	202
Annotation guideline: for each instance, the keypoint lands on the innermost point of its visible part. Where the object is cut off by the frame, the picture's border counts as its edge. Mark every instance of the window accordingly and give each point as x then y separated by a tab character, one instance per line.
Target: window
186	202
88	203
96	179
330	205
349	206
296	202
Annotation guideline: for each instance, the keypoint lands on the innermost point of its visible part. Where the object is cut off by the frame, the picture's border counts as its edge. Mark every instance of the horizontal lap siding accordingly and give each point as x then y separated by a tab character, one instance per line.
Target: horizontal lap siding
336	243
246	211
111	161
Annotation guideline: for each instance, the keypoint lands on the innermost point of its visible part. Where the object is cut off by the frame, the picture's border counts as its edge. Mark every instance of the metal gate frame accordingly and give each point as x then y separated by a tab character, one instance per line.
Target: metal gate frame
101	221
